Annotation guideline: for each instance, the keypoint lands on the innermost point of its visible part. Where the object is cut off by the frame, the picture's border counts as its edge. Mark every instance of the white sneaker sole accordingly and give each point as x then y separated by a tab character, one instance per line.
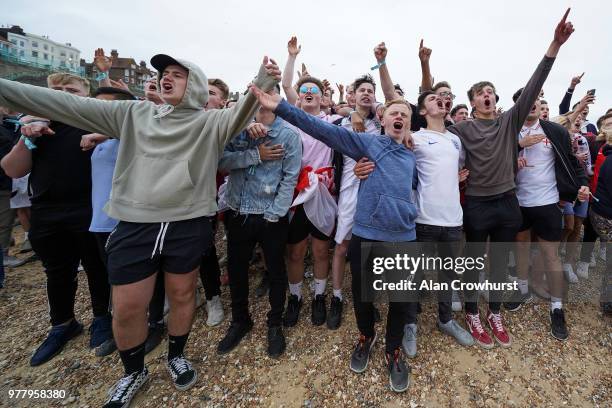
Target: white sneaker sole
397	389
188	385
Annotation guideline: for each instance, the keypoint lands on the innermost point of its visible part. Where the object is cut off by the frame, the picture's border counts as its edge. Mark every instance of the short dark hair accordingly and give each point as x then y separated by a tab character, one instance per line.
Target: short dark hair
454	111
118	94
604	117
219	83
364	79
441	84
421	100
398	88
542	101
516	95
479	86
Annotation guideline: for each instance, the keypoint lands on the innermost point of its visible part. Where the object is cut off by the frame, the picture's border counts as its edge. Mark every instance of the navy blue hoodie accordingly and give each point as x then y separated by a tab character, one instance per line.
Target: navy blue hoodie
385	203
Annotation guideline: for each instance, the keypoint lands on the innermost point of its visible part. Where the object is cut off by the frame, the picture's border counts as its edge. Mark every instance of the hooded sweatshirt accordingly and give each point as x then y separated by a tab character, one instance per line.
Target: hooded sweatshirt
167	157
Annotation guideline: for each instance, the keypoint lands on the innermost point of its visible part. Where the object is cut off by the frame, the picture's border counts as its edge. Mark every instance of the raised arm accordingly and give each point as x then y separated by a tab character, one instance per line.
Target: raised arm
233	120
380	53
91	114
287	82
532	90
564	106
104	64
292	162
426	78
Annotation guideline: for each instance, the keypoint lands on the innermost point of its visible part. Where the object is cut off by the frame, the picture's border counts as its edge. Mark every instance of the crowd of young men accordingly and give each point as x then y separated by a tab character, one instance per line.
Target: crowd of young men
140	186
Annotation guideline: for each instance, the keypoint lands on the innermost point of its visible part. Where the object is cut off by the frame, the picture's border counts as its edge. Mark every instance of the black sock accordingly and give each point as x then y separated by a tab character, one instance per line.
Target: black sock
133	359
176	345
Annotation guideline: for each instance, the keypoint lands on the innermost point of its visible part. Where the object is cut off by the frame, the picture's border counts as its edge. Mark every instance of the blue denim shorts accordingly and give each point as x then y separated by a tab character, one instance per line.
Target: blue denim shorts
580	209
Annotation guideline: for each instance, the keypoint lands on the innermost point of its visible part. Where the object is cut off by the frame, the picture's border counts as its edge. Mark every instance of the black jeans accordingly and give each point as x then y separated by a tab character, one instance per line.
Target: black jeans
210	273
447	241
588	241
362	278
496	218
60	237
244	232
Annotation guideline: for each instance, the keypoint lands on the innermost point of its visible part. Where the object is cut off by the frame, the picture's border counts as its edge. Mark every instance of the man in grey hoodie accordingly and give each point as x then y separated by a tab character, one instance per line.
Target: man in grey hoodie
163	190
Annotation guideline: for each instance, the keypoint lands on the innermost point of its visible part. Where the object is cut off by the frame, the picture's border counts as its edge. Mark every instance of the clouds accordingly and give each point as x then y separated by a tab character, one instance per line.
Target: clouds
471	41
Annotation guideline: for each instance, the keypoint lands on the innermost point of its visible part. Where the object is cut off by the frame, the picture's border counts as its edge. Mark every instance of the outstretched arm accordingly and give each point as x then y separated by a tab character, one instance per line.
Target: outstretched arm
287	82
354	145
234	120
380	53
96	116
564	106
426	78
532	90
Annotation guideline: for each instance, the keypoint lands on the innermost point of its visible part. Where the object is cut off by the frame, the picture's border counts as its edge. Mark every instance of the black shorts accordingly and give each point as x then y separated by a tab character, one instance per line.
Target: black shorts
300	227
138	250
546	221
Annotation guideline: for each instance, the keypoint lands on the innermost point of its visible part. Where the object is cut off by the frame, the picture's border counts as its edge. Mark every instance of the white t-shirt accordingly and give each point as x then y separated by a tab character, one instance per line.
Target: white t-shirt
536	184
439	156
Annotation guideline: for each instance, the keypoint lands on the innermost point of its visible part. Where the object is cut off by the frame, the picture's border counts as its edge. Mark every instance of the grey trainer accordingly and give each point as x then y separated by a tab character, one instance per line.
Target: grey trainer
409	342
453	329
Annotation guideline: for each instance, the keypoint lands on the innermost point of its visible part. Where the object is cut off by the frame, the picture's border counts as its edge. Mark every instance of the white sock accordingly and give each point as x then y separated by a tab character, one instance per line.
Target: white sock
296	289
27	235
511	260
523	285
320	285
555	303
338	293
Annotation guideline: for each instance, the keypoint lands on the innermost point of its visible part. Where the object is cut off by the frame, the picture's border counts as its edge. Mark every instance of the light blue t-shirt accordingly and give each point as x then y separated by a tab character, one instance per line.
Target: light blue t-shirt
103	162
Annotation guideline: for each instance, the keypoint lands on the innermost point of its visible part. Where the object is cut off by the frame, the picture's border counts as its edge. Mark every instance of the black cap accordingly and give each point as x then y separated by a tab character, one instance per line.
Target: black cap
161	62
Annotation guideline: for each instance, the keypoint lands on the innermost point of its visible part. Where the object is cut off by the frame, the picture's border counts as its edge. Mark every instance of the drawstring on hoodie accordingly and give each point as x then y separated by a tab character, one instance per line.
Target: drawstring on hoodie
161	235
163	110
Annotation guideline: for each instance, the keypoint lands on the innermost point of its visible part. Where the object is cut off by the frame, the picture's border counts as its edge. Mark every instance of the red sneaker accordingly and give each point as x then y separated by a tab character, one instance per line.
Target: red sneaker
479	334
497	327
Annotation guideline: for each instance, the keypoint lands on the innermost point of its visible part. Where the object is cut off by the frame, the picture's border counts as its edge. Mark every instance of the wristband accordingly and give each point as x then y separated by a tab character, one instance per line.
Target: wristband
380	64
28	142
101	76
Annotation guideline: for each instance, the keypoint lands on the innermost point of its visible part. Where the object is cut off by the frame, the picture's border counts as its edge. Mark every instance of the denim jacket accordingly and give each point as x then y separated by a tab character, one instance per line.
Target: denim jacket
262	187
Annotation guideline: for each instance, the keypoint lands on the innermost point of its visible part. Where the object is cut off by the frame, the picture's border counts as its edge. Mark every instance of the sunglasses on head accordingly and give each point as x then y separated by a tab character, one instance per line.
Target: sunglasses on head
312	89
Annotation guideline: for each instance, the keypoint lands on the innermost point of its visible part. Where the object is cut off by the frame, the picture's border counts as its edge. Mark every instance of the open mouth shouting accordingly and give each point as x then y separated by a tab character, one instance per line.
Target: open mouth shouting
308	98
487	103
398	125
447	106
440	104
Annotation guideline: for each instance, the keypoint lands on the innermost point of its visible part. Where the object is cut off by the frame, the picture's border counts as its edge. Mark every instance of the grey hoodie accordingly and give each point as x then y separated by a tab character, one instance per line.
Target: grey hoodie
167	161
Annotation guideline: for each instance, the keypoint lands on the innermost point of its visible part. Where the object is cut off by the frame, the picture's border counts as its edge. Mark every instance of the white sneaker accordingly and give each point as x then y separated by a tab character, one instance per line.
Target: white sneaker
569	273
602	252
457	305
593	262
582	270
214	308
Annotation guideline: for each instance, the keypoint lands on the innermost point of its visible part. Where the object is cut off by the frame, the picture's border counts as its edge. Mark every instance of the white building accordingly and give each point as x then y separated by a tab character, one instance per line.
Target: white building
42	51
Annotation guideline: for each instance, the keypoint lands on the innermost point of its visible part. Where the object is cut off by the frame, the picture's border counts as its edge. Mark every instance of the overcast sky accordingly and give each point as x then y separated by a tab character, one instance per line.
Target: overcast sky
471	40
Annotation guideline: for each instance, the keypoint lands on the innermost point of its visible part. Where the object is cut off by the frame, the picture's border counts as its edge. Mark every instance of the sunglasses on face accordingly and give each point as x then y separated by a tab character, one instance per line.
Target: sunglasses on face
446	94
312	89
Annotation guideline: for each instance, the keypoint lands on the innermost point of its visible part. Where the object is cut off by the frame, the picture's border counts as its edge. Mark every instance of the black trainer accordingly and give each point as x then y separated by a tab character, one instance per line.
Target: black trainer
234	336
319	310
182	373
517	300
56	340
292	313
120	394
558	328
154	336
399	372
334	318
361	354
276	342
264	286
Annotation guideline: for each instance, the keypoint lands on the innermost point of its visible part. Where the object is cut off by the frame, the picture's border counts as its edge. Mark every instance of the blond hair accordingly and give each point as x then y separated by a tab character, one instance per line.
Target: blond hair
398	101
563	120
64	78
221	85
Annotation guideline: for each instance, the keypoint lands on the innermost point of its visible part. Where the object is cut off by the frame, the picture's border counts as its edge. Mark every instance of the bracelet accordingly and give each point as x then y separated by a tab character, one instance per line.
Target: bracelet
380	64
28	142
101	76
